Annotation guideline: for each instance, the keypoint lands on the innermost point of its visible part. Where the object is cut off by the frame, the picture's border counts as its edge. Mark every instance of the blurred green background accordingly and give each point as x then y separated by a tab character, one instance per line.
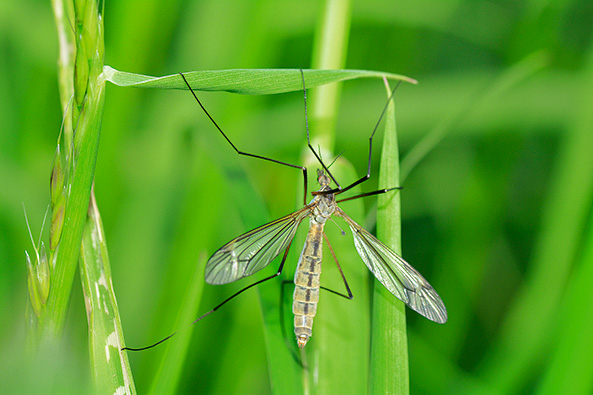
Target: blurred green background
497	216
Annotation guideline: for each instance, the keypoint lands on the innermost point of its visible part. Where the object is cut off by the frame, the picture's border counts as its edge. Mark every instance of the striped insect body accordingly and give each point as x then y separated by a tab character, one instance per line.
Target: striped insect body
307	283
308	273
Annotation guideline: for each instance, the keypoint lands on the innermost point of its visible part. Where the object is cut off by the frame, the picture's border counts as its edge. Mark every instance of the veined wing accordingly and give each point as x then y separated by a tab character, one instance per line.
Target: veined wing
254	250
401	279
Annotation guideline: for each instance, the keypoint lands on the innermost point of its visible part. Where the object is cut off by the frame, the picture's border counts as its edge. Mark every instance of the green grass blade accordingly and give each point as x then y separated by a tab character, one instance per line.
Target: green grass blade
110	366
171	365
339	353
389	371
245	81
283	358
571	363
330	50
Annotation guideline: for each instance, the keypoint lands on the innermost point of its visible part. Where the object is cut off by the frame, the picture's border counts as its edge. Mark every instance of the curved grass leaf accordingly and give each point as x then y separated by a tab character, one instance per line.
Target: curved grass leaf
389	369
110	366
571	362
171	365
245	81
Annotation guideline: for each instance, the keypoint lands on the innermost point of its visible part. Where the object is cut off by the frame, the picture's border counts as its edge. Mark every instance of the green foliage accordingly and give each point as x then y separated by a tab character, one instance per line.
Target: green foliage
110	366
496	168
389	352
71	188
246	82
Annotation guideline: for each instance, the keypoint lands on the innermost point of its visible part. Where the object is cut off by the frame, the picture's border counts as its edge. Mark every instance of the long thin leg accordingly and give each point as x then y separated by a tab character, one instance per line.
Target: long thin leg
362	179
303	168
239	292
349	296
379	192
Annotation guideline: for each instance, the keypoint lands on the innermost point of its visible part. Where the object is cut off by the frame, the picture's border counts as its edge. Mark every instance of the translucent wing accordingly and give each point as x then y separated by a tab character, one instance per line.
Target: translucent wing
251	252
401	279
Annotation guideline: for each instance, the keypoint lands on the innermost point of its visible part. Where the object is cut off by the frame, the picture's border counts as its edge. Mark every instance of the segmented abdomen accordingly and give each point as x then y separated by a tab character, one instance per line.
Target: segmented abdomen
306	281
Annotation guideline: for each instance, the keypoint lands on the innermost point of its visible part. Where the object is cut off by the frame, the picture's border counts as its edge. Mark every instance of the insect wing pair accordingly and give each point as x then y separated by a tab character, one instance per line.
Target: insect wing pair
254	250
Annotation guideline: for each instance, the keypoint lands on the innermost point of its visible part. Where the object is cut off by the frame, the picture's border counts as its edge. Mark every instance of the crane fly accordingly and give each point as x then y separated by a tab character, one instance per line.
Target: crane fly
251	252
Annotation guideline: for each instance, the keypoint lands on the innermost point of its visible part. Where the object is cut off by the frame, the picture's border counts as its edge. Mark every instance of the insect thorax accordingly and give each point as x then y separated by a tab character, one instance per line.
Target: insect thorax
325	207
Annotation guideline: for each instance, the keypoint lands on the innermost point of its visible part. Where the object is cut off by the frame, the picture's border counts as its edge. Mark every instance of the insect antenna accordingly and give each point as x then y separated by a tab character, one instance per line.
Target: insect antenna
335	159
